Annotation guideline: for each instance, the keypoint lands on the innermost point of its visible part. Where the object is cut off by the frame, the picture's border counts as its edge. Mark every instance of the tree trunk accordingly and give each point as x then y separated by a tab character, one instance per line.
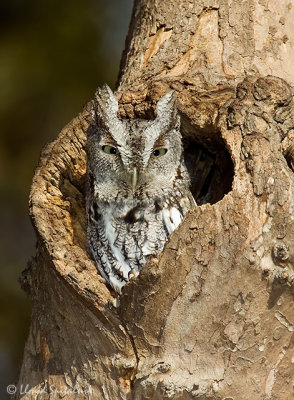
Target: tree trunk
212	317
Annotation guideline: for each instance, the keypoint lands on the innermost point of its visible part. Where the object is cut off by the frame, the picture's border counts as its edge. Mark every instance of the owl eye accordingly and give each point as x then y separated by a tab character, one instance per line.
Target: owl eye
159	152
109	149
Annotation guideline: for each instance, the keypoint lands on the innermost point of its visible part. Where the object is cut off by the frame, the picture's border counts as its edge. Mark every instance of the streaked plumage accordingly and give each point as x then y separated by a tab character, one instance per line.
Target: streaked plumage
138	186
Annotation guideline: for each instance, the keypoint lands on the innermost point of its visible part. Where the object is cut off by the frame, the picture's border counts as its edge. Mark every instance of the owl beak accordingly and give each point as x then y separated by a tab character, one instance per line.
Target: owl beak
134	177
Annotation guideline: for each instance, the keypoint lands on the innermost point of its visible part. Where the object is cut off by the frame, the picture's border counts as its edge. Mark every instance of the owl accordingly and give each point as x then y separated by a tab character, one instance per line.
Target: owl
137	186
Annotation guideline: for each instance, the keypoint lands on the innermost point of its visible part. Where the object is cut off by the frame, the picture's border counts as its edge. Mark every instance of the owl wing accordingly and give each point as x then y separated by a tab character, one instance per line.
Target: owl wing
171	218
101	237
173	214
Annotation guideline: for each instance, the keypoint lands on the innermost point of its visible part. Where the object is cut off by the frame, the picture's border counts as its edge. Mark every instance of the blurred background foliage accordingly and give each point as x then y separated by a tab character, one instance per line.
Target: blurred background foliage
53	55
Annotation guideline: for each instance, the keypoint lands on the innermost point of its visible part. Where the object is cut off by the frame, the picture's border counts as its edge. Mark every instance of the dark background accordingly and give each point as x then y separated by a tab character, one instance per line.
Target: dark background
53	56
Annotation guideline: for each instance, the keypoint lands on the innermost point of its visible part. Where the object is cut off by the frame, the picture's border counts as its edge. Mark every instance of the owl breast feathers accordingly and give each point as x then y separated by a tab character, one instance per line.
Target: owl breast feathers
138	186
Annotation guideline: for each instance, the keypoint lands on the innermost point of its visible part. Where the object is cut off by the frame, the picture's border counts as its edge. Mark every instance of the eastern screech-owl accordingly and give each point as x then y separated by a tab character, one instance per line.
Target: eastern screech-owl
138	186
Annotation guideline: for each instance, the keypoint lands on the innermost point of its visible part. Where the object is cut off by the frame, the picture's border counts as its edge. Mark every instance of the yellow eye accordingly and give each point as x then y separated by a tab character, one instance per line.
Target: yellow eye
159	152
109	149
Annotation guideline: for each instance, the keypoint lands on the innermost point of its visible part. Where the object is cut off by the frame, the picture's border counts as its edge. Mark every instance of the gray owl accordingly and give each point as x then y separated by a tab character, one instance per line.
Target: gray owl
138	186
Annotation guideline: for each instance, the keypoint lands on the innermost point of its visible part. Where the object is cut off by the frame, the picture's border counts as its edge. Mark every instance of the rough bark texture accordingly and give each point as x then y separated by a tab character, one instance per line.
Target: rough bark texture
212	317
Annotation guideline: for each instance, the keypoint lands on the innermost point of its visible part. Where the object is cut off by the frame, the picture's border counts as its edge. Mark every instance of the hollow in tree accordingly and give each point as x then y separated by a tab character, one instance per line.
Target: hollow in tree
212	316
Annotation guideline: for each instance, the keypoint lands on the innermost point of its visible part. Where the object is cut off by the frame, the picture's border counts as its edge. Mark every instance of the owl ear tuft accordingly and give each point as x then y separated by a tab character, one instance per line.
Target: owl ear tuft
105	112
109	98
166	103
106	105
166	111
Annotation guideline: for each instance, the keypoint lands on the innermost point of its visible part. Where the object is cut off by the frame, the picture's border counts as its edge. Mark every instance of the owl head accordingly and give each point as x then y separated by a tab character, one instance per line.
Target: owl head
134	158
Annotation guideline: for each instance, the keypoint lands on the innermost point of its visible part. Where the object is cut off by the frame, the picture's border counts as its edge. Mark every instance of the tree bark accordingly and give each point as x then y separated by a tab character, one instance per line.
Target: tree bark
212	317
